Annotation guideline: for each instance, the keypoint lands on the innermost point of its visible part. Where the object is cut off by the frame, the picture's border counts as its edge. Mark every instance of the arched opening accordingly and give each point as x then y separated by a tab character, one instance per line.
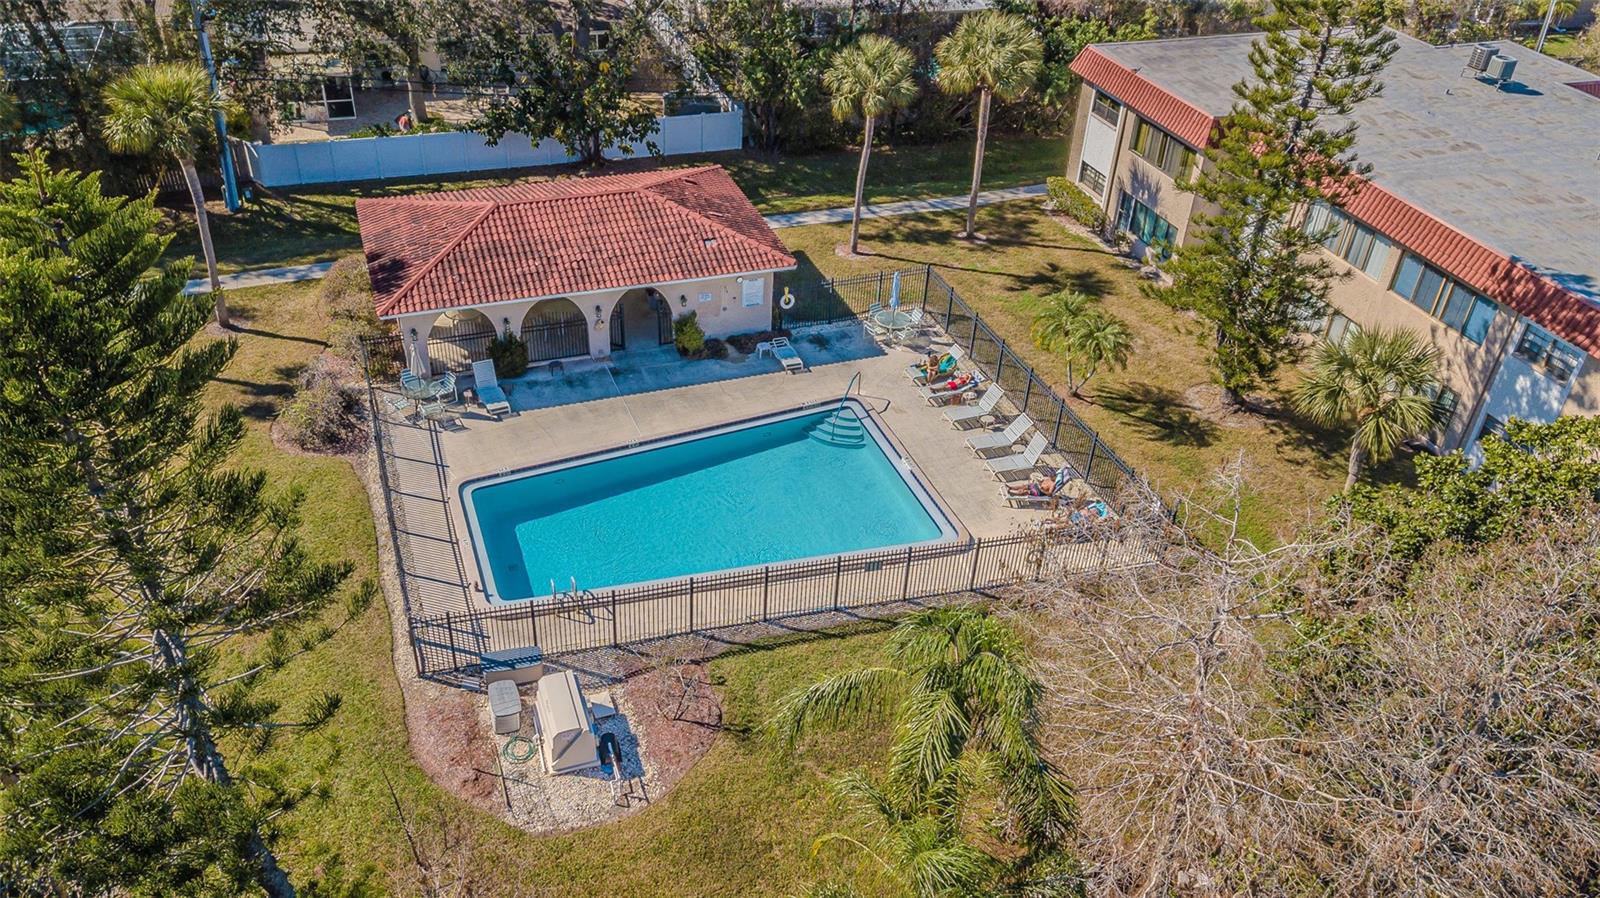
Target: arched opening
555	329
641	318
458	338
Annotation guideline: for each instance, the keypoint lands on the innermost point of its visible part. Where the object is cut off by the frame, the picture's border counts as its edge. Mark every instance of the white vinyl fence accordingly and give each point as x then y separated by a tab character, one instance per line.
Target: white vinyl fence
412	155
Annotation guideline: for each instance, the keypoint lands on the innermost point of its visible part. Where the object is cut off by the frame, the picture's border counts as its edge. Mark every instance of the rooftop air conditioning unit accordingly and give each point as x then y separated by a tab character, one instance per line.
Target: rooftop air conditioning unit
1481	54
1501	68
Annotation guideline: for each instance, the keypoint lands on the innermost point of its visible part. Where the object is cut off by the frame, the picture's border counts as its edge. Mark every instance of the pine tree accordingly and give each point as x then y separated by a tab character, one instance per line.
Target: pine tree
134	553
1253	276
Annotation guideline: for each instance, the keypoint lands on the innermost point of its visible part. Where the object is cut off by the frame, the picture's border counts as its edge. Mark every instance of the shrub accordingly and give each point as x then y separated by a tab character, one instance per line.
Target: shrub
688	336
1069	199
510	355
347	301
324	415
714	349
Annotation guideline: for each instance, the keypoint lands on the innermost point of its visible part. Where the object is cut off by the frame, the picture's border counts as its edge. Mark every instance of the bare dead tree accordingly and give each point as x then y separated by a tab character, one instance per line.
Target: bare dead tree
440	850
1240	720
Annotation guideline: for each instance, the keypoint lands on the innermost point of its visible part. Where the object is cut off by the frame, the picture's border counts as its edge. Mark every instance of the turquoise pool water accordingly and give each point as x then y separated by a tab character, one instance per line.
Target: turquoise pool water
793	488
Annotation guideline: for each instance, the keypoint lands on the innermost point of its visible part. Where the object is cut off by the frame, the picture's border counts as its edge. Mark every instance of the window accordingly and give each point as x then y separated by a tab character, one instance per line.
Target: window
1338	328
1492	426
1539	347
1162	150
1445	403
1349	239
1447	300
1092	178
1105	108
1146	226
339	98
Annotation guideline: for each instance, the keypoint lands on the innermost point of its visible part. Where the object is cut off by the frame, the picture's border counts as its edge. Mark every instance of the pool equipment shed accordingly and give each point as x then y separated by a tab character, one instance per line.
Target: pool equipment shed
569	740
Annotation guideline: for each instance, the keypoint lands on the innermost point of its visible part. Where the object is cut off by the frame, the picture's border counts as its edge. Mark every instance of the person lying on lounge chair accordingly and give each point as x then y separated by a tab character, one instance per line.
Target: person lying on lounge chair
958	383
938	363
1038	486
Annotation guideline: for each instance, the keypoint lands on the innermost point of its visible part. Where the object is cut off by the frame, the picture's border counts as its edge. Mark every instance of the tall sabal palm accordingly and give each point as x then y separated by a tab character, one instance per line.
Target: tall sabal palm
166	110
1381	380
965	706
1058	315
1097	339
868	79
998	55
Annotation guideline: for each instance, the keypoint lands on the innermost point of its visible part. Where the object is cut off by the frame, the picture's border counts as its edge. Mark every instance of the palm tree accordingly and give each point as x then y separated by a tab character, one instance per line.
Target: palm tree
1097	339
1381	379
868	79
923	852
1060	313
997	55
965	708
166	110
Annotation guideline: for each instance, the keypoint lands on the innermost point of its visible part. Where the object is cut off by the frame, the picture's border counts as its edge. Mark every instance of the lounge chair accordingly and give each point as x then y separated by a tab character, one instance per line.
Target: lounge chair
1024	461
787	357
947	365
1039	499
1005	439
938	394
488	385
961	414
444	385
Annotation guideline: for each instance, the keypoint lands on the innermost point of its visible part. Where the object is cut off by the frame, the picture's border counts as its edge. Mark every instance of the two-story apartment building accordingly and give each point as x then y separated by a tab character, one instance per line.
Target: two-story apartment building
1479	225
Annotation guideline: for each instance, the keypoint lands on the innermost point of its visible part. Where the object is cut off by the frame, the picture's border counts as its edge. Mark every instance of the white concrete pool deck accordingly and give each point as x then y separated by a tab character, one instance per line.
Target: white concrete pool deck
592	405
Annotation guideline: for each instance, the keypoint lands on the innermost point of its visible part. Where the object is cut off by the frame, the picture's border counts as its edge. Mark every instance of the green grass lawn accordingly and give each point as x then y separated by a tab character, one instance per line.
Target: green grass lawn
740	822
1291	466
316	224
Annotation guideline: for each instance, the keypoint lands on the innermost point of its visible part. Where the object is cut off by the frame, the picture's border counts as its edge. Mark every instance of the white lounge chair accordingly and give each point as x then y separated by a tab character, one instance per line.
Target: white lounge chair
962	414
787	357
919	372
1023	461
488	386
1005	439
442	386
937	394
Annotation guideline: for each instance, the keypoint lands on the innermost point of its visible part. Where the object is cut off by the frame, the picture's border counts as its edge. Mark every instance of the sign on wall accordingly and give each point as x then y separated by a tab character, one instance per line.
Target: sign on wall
754	291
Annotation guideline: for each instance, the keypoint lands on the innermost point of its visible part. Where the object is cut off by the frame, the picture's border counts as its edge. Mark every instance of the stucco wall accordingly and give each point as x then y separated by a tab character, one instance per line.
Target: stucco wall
719	304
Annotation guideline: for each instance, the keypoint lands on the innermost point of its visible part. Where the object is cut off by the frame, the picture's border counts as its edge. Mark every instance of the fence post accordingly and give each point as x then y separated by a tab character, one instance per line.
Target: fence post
950	307
614	641
972	581
1055	438
766	587
838	577
905	585
972	344
1044	544
1027	393
999	362
450	633
927	278
533	619
691	604
1094	443
880	288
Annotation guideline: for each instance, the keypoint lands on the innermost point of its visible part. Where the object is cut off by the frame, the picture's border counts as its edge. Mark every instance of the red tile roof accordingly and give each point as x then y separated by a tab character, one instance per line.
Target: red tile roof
1592	88
1188	122
460	248
1566	314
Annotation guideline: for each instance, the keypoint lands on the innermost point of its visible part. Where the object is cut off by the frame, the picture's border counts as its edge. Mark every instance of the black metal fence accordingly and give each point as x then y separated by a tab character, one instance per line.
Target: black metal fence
820	302
457	352
456	644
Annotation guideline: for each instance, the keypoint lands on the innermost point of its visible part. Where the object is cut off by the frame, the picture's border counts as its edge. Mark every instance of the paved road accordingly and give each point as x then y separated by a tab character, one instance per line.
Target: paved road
261	277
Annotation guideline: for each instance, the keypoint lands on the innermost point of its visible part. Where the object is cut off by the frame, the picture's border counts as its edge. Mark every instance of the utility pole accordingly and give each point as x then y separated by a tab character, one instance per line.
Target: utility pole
1544	30
230	183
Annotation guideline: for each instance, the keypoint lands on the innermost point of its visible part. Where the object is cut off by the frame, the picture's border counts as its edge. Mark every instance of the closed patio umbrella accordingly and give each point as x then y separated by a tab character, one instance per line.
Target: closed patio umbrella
894	293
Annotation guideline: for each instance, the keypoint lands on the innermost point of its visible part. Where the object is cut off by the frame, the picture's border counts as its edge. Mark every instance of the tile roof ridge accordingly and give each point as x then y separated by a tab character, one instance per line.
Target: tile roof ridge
431	264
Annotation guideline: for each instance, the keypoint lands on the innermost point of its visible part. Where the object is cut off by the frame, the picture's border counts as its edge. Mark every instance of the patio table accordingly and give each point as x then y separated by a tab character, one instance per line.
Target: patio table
892	320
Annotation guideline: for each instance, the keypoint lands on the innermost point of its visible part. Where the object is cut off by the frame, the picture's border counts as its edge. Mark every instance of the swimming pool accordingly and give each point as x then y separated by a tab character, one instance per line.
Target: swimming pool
799	484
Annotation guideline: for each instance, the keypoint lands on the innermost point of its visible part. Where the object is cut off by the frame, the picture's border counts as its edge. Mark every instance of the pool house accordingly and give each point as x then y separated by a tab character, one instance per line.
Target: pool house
576	267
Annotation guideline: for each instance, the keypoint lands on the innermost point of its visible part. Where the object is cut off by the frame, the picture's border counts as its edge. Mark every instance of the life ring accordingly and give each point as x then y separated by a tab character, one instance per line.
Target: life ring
786	301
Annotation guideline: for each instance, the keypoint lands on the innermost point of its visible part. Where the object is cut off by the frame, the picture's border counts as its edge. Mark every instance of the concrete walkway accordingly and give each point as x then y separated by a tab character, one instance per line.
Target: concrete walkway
262	277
